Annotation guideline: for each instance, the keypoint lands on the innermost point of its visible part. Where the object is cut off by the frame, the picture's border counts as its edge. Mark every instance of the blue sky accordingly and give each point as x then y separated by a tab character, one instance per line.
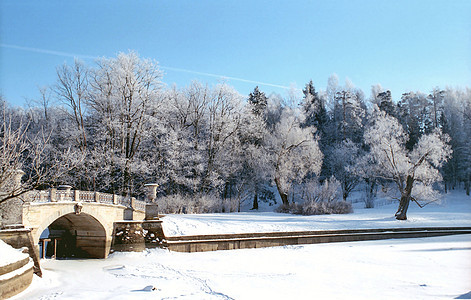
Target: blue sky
403	45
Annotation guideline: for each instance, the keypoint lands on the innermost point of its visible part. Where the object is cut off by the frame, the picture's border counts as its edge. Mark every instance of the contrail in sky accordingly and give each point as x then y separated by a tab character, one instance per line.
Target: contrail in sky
73	55
45	51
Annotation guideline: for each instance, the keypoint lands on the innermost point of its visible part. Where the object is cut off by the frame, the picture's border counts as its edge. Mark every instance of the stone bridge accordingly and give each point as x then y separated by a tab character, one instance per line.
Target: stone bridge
80	222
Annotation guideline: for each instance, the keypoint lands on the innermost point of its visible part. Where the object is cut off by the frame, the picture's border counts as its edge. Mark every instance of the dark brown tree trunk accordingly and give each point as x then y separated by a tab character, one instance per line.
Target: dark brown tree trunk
283	195
255	200
401	213
467	184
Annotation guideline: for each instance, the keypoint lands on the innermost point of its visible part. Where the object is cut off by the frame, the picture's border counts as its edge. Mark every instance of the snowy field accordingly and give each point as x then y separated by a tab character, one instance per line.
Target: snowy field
422	268
454	210
425	268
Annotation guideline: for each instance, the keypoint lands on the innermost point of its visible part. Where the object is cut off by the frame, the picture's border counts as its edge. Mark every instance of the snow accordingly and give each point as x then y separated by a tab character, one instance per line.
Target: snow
19	271
454	210
420	268
9	255
425	268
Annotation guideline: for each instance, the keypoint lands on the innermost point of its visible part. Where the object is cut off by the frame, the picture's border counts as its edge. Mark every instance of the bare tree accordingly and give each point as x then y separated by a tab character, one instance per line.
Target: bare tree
72	89
123	90
28	162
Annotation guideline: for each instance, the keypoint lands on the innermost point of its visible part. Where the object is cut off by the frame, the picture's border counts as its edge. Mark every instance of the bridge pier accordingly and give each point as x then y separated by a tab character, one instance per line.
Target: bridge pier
137	235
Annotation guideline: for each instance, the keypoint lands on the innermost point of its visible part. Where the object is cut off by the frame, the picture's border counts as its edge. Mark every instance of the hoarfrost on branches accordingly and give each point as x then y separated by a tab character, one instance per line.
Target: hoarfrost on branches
389	159
296	151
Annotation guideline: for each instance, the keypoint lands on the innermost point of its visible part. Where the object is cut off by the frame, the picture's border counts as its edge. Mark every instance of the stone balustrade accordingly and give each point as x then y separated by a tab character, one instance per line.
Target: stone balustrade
68	195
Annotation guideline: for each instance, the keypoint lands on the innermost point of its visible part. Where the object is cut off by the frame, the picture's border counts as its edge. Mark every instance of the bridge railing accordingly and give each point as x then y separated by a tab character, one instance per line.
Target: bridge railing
54	195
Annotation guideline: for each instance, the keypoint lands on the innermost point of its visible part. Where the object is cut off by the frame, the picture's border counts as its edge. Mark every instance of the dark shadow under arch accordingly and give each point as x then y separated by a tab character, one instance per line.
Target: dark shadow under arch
76	235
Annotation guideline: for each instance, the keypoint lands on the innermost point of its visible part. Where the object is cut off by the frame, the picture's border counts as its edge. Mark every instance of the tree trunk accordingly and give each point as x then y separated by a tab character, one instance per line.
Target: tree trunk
401	213
255	200
283	195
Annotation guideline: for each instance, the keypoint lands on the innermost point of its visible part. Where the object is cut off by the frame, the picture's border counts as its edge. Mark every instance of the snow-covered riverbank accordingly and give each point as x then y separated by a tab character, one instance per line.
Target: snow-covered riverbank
454	210
423	268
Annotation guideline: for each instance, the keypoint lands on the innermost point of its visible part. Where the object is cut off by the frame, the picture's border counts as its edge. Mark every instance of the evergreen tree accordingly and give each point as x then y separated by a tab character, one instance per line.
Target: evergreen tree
258	101
415	116
386	104
314	109
253	141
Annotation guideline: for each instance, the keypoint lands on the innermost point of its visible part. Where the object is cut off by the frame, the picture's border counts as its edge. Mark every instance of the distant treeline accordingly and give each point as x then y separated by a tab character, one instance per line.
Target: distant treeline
127	129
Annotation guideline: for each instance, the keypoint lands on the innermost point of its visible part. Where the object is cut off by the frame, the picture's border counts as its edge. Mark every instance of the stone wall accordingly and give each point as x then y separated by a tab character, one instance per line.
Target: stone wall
137	235
15	277
19	238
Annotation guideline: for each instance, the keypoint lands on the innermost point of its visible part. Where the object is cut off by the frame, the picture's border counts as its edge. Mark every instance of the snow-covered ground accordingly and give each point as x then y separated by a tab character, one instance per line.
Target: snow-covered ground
422	268
454	210
10	255
425	268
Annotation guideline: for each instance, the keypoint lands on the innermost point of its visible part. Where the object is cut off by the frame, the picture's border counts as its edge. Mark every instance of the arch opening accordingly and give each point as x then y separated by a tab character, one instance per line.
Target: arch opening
74	235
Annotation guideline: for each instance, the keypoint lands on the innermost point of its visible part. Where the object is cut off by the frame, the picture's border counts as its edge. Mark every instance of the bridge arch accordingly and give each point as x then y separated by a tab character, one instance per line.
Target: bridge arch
77	235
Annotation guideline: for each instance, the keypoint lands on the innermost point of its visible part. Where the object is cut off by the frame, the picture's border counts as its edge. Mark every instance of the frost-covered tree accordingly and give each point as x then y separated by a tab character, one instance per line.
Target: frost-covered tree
386	104
456	122
123	89
28	160
348	114
253	137
344	158
222	139
344	133
71	89
295	151
258	102
375	91
413	171
180	140
436	98
197	139
314	108
414	113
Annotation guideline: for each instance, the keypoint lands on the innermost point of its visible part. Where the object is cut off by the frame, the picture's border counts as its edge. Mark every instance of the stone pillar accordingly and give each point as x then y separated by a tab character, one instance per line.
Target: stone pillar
152	209
52	194
76	195
133	203
129	211
41	196
115	199
97	197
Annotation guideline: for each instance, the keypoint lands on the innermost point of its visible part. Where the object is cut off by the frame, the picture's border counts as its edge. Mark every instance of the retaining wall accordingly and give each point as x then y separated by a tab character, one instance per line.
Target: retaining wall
200	243
19	238
16	275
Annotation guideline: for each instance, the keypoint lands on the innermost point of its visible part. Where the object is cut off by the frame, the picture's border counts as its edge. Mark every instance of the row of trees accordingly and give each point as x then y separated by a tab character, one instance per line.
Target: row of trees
126	129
